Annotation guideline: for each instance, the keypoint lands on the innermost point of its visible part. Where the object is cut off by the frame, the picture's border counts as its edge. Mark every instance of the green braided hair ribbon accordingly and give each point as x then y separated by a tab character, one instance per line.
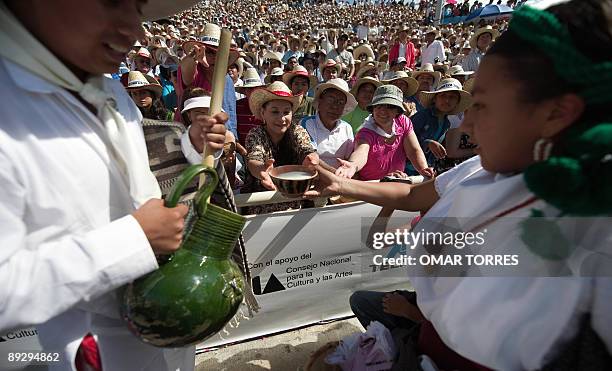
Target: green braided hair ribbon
549	35
577	179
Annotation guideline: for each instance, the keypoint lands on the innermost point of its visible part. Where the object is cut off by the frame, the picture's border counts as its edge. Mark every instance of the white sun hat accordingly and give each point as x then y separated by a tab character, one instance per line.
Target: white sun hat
450	84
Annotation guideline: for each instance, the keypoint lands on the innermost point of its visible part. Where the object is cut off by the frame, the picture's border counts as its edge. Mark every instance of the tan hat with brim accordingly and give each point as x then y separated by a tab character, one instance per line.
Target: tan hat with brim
188	45
159	53
413	85
275	56
276	71
210	39
427	68
468	85
457	70
362	71
138	81
465	101
330	63
488	29
389	95
156	9
432	29
240	64
363	49
340	85
300	71
250	79
362	81
275	91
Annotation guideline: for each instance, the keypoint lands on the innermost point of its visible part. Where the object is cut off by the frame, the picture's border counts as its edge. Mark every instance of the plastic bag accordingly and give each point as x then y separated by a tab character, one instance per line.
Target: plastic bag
373	350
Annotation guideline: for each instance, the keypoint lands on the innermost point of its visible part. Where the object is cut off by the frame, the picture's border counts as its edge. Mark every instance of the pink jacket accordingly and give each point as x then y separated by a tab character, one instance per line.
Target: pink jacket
410	54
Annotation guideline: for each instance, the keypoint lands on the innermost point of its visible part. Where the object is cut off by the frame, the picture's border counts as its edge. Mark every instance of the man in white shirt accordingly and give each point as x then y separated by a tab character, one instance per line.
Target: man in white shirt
80	214
362	30
331	136
433	48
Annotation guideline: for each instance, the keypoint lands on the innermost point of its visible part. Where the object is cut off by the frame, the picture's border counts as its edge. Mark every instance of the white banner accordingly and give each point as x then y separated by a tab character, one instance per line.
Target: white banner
305	265
15	346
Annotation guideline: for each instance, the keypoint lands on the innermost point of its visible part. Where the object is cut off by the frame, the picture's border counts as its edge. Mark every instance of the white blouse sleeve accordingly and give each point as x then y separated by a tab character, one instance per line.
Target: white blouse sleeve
454	176
42	280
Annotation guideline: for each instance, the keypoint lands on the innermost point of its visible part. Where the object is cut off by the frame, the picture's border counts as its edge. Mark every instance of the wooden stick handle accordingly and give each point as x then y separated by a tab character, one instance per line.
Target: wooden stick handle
218	88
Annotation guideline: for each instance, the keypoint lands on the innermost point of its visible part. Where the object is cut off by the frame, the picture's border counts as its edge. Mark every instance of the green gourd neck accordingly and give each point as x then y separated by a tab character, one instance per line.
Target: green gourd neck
215	233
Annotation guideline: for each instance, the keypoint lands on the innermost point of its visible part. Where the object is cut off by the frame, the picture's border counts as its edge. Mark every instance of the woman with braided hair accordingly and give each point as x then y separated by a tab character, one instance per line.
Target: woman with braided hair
543	127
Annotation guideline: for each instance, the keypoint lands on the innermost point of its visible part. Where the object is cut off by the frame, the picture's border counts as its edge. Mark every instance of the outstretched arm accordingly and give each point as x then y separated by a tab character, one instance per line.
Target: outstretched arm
409	197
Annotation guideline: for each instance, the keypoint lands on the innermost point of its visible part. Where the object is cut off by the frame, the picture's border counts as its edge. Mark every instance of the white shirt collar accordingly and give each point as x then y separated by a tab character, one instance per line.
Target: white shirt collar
28	81
370	124
322	126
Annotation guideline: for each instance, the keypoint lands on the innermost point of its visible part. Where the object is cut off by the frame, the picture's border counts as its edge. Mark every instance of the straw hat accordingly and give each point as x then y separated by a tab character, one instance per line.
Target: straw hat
474	39
276	71
159	41
450	84
364	80
413	85
468	85
388	94
441	67
157	9
250	79
363	70
331	63
275	56
196	102
432	29
144	52
138	81
240	64
300	71
339	85
458	71
275	91
427	68
404	28
210	39
363	49
211	36
161	54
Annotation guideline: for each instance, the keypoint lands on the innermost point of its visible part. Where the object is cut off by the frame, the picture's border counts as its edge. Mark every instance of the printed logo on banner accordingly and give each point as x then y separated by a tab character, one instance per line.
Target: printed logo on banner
273	285
18	335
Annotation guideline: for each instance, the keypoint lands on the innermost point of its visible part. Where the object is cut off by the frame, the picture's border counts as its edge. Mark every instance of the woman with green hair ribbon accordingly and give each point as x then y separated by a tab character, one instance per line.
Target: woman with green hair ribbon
543	128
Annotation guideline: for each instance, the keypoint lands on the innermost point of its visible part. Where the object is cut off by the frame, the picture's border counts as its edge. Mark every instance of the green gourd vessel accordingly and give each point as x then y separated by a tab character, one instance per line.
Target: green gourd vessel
199	289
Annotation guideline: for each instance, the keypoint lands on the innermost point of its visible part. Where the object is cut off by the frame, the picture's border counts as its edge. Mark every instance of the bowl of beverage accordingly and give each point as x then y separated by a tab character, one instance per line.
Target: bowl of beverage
293	180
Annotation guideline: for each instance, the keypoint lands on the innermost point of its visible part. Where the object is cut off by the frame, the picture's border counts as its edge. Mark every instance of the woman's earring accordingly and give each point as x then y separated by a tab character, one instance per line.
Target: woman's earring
542	149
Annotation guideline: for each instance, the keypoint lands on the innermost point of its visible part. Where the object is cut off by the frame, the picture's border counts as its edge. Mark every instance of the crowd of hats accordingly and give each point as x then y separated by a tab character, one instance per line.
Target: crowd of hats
264	29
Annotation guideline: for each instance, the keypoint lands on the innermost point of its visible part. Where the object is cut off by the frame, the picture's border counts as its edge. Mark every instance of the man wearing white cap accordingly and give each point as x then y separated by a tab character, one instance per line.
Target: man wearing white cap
80	214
